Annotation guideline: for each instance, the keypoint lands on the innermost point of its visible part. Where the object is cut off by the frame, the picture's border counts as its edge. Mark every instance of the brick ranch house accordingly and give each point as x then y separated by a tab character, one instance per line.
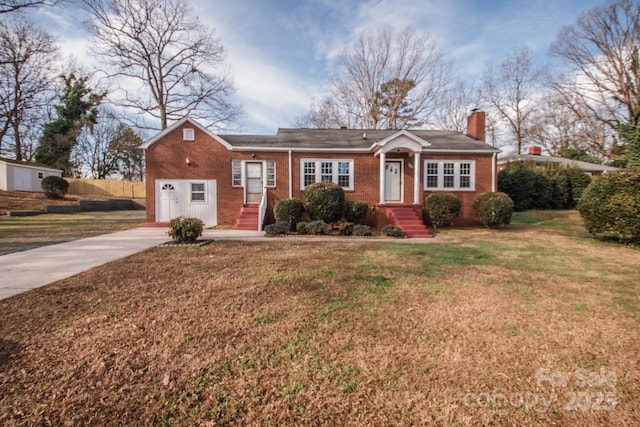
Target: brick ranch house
237	179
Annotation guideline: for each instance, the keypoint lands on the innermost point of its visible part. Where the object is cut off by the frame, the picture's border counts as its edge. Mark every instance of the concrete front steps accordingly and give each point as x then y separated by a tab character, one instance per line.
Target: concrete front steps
409	221
248	218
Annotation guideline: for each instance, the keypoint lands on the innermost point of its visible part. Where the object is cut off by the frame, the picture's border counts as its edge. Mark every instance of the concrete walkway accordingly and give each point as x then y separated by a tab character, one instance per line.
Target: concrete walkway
22	271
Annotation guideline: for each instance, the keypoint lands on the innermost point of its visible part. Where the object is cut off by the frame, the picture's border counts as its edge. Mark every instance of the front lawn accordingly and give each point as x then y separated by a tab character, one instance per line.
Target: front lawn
23	233
536	324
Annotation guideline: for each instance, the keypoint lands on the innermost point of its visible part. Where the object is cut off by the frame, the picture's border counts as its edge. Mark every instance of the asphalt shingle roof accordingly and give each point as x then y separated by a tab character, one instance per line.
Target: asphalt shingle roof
560	160
357	139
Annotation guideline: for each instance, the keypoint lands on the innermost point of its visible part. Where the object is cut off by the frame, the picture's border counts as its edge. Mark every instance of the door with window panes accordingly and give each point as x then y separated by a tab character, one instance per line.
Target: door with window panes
254	182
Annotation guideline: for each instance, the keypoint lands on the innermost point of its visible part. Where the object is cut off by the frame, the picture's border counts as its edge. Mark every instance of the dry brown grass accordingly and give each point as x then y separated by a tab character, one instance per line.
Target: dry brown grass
315	333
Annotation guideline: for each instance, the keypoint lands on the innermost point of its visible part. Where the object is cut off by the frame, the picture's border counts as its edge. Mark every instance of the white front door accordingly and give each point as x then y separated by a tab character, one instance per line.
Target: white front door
168	207
393	181
254	182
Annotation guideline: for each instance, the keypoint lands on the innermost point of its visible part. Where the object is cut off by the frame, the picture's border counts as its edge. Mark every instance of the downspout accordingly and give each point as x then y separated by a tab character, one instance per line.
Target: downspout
493	173
290	175
383	158
416	178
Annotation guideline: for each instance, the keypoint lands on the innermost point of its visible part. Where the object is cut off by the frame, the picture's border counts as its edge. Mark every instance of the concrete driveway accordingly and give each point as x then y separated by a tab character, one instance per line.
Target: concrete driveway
21	271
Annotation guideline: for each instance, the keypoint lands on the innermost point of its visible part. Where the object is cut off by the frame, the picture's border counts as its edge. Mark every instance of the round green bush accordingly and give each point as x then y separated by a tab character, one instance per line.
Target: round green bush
610	206
279	228
318	227
356	212
493	209
392	231
54	187
185	230
443	208
361	230
324	201
346	229
301	227
288	210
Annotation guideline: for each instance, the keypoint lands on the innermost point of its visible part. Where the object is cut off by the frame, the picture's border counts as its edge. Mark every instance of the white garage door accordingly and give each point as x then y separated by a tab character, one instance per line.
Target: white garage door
189	198
22	179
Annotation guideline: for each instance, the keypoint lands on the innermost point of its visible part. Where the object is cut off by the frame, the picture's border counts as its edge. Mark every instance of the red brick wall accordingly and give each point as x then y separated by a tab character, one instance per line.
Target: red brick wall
209	159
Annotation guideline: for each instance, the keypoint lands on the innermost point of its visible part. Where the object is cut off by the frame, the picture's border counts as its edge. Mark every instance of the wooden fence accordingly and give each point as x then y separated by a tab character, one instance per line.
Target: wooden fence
107	187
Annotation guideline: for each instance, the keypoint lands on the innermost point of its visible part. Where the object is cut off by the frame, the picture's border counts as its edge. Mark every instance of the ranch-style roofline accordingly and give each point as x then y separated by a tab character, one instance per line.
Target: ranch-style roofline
339	140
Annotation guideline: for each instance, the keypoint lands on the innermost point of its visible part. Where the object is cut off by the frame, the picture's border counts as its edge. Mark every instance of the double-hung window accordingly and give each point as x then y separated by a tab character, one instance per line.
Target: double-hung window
338	171
197	192
454	175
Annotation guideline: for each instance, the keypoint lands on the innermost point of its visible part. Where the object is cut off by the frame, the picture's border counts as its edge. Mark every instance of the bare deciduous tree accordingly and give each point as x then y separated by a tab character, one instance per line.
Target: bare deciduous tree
603	81
26	57
556	127
110	148
457	103
8	6
164	59
385	80
511	90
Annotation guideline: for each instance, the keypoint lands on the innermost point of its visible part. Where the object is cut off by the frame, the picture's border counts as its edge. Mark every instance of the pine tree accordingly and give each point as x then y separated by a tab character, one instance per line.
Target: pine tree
78	109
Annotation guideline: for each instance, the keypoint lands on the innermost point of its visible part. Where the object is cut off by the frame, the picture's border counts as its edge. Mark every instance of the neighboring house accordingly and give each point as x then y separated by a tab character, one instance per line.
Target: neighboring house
219	178
535	155
23	176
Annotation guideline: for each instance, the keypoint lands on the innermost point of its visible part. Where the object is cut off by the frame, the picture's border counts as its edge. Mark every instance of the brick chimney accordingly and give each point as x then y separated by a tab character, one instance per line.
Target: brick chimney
476	124
536	151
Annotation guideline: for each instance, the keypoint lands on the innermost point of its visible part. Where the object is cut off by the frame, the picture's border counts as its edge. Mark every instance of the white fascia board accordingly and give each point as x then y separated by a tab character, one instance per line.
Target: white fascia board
179	123
380	144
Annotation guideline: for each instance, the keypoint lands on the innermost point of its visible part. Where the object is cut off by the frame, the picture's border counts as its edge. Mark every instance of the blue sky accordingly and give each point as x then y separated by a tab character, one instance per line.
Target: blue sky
281	52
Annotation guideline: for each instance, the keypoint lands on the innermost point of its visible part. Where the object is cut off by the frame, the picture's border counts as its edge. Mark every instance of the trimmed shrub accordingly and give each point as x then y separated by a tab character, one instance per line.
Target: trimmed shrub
301	227
542	194
318	227
443	208
277	229
392	231
288	210
346	229
356	212
578	180
562	193
361	230
518	181
185	230
493	209
610	206
324	201
54	187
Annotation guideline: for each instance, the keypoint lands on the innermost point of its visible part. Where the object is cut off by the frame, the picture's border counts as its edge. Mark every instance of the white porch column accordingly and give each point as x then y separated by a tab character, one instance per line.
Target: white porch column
416	179
383	160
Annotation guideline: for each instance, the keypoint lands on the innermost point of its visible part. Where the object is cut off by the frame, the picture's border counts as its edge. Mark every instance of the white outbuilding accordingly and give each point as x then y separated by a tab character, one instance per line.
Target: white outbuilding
23	176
